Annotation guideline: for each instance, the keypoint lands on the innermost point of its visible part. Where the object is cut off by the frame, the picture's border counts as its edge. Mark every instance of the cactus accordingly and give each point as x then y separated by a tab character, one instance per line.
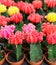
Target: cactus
35	52
17	49
47	9
38	26
40	11
51	52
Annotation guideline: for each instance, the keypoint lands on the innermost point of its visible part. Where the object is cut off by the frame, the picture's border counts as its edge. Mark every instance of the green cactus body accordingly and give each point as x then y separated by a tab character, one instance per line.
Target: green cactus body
19	26
17	49
50	10
54	50
27	0
40	11
38	26
35	52
16	0
25	18
5	14
44	6
51	52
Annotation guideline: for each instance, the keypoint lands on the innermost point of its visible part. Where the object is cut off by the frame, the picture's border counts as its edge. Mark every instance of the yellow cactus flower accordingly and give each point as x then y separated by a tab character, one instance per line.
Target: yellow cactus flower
12	10
51	17
2	8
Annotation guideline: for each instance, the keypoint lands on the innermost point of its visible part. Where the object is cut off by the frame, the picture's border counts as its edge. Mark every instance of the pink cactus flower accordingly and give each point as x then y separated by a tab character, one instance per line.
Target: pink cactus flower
6	31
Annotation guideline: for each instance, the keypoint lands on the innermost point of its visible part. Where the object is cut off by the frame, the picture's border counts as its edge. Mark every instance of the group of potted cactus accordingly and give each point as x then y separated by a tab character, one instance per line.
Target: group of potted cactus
27	31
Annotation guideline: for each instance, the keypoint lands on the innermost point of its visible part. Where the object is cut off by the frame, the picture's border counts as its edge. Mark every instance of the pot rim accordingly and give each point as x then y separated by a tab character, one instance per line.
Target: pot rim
49	62
35	62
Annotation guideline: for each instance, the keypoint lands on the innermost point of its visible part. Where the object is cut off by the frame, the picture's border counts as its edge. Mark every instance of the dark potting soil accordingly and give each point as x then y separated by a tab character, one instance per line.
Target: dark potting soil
12	58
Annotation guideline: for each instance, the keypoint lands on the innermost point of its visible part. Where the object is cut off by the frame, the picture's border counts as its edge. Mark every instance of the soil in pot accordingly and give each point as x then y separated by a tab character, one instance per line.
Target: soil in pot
12	61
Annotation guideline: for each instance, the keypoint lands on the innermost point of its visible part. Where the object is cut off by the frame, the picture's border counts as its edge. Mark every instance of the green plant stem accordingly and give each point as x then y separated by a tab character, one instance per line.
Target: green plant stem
19	26
50	52
16	0
35	52
17	51
50	10
40	11
54	50
26	0
38	26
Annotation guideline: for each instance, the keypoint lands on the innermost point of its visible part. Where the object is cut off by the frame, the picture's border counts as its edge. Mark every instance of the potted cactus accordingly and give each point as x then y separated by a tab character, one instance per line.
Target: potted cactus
33	38
51	40
16	40
49	31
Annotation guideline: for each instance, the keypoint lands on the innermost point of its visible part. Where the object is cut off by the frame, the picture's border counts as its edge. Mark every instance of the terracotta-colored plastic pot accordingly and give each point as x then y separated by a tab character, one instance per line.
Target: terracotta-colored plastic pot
50	62
3	60
14	63
35	63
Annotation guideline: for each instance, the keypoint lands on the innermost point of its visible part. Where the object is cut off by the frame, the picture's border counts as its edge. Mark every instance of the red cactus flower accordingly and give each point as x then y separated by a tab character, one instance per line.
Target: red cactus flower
25	7
50	3
35	18
16	38
16	18
29	9
33	37
48	28
51	39
20	5
7	2
31	34
37	4
4	20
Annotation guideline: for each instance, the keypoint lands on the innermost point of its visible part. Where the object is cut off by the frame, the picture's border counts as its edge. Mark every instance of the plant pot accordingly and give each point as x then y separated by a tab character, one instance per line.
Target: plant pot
25	49
49	62
35	63
3	60
14	63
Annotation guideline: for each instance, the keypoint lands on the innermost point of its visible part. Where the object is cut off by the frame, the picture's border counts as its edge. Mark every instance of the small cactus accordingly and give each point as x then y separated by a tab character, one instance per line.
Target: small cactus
17	49
52	52
35	52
